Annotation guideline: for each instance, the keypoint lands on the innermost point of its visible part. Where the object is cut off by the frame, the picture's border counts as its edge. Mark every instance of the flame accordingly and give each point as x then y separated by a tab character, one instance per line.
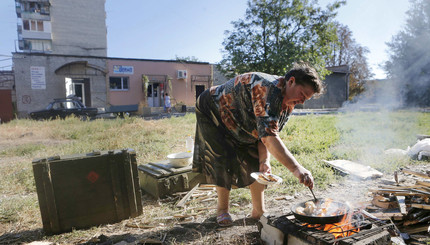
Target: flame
343	228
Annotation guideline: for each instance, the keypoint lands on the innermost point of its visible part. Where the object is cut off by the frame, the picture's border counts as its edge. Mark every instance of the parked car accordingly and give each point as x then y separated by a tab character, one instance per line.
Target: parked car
61	108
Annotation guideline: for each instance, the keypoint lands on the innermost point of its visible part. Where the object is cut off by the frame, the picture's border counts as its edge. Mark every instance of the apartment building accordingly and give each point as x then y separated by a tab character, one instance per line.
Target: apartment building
62	51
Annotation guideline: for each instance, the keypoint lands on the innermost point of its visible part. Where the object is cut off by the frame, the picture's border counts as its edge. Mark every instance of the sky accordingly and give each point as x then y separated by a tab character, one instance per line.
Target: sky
166	29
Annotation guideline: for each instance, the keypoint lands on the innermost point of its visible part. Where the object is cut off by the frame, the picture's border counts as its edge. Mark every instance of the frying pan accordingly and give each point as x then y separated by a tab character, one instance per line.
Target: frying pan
343	210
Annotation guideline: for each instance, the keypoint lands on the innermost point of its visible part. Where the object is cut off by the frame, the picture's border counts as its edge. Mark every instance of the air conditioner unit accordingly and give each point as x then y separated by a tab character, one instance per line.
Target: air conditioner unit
182	74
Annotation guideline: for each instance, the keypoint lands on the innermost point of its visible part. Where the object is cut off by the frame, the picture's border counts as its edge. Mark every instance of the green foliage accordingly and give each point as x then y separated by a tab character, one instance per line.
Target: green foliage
23	150
346	51
277	33
12	209
188	58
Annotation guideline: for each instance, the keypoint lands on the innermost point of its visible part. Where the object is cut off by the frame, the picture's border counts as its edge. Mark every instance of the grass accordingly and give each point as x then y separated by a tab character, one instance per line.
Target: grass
361	137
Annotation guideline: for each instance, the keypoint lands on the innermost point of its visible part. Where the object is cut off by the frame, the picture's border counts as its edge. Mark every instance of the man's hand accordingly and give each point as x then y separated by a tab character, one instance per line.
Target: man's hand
304	176
265	167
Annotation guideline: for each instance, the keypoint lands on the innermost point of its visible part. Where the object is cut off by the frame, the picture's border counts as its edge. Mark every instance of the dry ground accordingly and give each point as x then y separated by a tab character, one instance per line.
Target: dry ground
199	229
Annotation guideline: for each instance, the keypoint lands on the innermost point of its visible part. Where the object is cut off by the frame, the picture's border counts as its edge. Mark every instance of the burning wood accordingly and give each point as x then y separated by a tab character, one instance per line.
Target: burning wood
344	228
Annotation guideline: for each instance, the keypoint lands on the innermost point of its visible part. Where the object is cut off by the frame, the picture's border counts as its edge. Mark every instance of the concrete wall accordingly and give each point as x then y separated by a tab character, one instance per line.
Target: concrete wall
183	90
337	92
79	27
30	99
219	77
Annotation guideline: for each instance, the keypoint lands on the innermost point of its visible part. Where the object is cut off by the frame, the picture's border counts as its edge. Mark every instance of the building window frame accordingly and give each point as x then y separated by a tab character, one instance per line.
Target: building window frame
119	83
33	25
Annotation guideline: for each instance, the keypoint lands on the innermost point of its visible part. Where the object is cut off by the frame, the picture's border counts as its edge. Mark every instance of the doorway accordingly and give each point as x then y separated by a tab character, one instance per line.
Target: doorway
153	95
199	90
79	88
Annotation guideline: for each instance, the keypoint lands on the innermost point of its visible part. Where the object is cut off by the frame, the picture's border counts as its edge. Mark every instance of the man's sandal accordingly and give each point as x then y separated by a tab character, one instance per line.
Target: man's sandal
224	220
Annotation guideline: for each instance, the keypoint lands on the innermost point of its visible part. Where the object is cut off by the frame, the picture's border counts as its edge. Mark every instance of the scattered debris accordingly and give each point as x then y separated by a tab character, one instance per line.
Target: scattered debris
201	193
355	169
406	205
419	150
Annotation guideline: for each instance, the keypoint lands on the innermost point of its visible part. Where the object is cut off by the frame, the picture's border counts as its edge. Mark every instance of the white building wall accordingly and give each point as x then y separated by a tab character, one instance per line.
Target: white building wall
79	27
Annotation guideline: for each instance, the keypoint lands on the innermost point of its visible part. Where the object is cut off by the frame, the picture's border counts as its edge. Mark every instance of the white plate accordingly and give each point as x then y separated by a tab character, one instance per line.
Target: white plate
261	180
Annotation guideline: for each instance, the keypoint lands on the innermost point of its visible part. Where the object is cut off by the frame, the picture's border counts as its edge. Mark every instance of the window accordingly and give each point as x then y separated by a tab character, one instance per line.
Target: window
37	45
26	24
118	83
33	25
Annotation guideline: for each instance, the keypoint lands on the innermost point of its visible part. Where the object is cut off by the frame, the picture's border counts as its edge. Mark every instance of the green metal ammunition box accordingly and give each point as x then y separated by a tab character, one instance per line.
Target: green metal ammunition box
160	179
85	190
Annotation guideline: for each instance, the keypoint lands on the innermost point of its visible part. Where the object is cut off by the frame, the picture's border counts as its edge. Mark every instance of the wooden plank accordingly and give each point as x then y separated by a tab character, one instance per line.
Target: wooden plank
129	184
116	189
412	192
383	202
421	192
182	202
402	205
421	206
137	190
202	198
419	174
389	191
50	200
423	183
385	187
415	229
388	216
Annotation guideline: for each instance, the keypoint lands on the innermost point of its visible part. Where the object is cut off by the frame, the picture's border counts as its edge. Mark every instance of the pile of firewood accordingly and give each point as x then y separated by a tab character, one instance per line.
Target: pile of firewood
406	205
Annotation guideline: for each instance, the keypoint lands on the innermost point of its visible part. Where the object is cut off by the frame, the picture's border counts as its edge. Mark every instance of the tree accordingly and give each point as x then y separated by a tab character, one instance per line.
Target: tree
347	52
188	58
409	61
277	33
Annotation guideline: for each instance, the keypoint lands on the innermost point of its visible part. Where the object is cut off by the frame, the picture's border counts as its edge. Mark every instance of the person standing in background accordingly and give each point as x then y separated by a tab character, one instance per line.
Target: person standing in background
167	104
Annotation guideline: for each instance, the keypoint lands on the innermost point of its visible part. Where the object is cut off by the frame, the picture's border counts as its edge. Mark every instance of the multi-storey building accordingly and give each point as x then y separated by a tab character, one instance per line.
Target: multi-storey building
62	27
62	51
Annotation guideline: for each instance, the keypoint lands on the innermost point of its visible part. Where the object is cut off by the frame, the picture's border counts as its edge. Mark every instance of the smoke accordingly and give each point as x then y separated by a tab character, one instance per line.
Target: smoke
371	123
378	94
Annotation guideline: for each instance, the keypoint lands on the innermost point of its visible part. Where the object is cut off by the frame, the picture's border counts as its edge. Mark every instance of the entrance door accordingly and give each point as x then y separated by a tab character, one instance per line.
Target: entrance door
153	95
79	87
199	90
80	91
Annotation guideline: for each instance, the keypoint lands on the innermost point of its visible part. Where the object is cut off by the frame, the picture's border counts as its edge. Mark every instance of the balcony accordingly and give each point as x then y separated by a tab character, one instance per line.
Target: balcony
36	35
35	16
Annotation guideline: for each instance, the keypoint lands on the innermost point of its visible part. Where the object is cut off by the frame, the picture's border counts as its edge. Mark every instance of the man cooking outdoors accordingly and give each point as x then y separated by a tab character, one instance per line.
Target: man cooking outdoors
238	125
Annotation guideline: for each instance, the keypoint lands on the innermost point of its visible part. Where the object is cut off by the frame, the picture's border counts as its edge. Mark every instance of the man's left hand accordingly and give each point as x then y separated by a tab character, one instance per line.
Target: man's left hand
265	167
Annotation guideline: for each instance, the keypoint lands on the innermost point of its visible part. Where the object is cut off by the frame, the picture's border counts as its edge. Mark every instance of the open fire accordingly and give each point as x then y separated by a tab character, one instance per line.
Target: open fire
328	208
353	228
343	228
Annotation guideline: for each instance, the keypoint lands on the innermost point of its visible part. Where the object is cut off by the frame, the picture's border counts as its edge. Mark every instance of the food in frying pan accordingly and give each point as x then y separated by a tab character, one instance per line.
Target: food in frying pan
310	207
300	210
321	208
